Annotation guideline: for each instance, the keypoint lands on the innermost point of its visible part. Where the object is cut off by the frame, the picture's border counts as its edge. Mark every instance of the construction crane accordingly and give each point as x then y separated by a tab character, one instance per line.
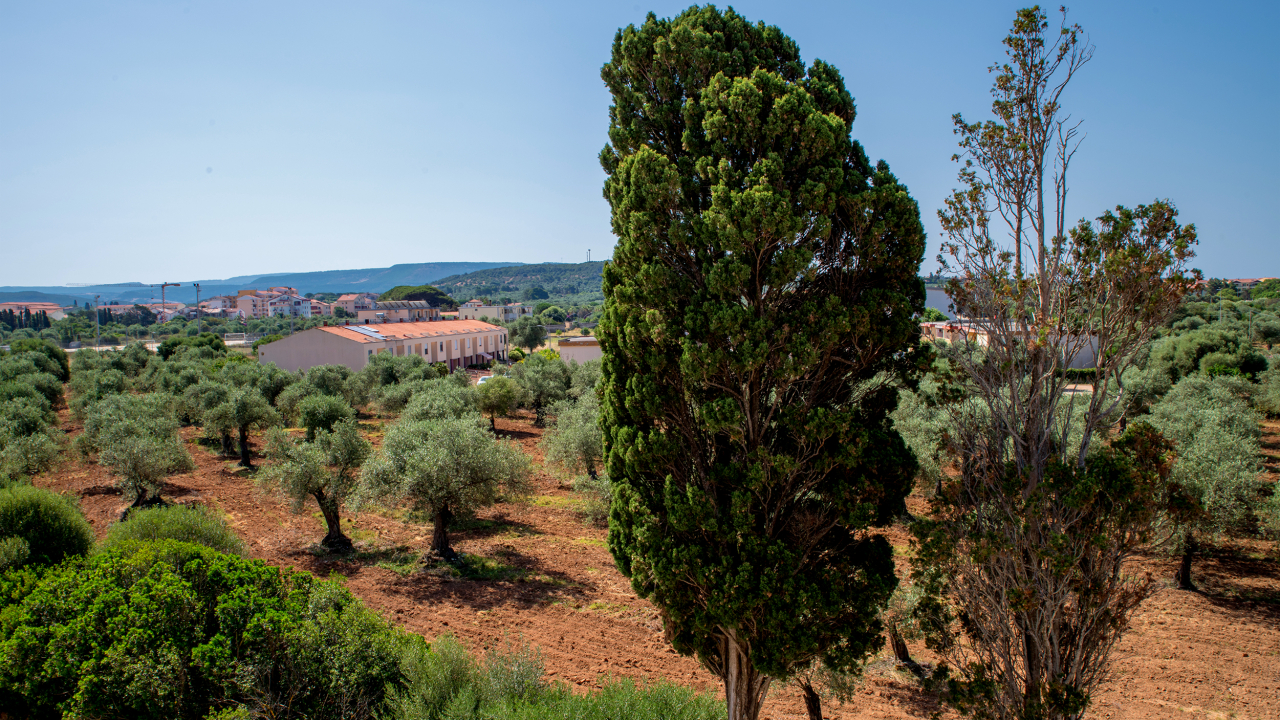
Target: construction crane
162	286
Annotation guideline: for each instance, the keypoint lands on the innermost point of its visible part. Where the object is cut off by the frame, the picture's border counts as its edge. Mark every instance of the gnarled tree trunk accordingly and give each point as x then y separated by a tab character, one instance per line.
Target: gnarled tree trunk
228	445
901	653
440	535
335	540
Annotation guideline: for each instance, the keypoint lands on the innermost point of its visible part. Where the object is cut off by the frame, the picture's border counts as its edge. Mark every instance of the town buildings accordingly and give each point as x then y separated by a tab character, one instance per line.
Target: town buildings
399	311
476	309
355	302
456	343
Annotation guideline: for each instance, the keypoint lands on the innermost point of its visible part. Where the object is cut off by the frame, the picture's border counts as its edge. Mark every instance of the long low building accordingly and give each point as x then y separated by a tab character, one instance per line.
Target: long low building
456	343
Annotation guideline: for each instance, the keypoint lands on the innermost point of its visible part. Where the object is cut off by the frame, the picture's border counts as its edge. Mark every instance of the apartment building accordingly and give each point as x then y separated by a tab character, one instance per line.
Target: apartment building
399	311
456	343
288	306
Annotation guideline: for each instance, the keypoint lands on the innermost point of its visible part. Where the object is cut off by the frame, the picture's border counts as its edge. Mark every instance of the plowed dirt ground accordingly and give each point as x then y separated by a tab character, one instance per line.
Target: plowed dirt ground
1208	654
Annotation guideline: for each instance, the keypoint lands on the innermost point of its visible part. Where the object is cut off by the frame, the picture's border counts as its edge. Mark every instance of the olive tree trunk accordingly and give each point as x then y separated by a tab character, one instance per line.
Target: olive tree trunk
245	458
335	540
228	445
440	535
1183	574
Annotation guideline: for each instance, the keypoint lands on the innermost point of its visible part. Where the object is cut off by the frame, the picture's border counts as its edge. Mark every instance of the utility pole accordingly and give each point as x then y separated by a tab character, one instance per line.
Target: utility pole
97	329
197	307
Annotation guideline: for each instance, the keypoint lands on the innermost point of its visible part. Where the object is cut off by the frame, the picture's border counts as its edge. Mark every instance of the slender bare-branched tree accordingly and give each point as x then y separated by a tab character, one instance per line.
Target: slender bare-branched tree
1027	545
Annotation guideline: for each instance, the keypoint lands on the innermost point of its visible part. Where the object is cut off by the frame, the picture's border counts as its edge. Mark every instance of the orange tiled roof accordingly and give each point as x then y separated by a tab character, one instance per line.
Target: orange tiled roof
408	330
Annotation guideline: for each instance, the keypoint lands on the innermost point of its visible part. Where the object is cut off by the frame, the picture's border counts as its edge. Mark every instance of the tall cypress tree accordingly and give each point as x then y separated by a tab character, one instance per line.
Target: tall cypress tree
758	305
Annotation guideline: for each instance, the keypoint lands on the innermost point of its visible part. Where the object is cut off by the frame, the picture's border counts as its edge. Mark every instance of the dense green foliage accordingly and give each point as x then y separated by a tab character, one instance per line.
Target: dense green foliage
764	270
186	523
50	526
209	340
188	630
544	381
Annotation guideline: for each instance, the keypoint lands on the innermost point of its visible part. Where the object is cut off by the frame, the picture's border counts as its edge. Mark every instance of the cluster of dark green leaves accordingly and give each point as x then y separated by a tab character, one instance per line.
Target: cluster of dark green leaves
173	630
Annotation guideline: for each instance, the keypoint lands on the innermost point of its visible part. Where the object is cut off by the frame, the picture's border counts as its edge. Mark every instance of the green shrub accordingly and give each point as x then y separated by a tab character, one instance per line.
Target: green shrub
14	390
322	412
174	630
45	384
190	524
52	525
440	400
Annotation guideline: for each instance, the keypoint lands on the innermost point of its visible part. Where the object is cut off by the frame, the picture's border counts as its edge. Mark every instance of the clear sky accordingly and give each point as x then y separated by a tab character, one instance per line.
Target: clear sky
150	141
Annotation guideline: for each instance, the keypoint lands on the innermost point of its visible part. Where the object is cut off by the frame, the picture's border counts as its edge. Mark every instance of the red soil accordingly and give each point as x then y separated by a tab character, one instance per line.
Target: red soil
1213	654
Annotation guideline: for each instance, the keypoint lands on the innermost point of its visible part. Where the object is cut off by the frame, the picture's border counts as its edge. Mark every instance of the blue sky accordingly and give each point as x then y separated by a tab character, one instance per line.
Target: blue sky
177	141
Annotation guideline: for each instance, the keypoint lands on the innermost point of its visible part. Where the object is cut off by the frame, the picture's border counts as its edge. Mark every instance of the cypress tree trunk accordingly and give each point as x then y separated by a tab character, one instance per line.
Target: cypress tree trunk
440	535
335	540
245	459
1183	575
744	687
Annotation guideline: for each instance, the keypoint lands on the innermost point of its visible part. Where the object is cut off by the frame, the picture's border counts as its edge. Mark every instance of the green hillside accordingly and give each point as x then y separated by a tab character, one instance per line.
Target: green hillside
577	283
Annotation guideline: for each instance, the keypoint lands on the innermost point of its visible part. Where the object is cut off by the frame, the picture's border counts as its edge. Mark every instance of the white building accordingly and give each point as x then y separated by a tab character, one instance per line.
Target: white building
288	306
475	309
580	349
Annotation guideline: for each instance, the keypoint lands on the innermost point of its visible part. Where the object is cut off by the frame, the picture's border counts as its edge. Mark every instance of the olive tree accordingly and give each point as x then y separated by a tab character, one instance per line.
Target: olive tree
759	307
1216	436
575	442
325	469
245	409
544	381
497	396
448	468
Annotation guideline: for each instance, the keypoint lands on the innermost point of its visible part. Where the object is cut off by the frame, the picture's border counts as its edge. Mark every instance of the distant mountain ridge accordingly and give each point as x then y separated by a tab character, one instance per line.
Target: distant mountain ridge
374	280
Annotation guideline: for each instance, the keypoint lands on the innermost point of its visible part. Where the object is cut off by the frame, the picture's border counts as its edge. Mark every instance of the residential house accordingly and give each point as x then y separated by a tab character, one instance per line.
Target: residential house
319	307
476	309
399	311
288	306
456	343
355	302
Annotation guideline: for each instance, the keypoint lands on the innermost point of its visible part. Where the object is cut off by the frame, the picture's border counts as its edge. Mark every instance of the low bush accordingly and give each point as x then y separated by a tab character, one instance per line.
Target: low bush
51	525
444	681
196	524
175	630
